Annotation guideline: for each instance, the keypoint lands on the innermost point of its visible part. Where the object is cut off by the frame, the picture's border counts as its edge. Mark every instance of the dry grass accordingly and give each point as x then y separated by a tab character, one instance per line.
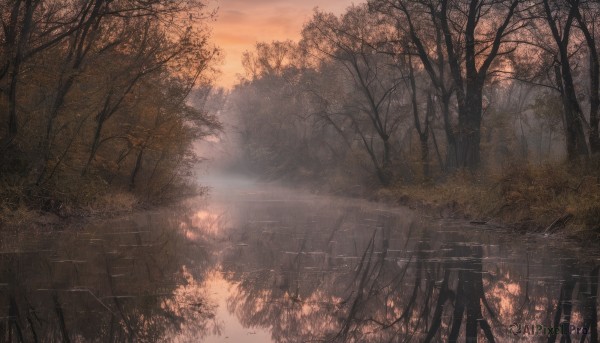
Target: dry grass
115	202
22	205
526	197
17	216
459	195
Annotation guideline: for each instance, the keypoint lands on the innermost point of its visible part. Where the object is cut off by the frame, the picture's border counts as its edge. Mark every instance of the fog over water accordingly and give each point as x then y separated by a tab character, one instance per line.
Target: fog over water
256	262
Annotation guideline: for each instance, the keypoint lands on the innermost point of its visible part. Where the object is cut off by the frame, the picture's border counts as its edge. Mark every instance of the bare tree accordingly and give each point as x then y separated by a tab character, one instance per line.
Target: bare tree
561	25
349	41
587	14
423	30
422	129
474	37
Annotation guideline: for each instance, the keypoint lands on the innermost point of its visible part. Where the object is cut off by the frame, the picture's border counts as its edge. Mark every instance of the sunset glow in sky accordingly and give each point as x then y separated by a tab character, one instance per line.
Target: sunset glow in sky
241	23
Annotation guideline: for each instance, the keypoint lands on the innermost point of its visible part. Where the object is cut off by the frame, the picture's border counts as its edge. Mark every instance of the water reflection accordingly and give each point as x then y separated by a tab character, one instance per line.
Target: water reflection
309	271
272	265
129	280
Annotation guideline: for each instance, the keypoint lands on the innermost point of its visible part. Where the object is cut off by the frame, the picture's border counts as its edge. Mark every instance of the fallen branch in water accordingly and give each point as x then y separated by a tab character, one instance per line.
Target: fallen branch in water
558	223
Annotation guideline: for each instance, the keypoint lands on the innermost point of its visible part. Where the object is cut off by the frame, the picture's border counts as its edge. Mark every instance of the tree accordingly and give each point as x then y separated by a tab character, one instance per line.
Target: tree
587	14
349	41
75	78
475	34
561	25
422	130
426	42
269	59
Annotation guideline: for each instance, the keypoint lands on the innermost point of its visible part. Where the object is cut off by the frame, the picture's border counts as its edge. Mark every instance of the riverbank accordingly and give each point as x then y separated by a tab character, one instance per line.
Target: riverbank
547	199
22	207
28	214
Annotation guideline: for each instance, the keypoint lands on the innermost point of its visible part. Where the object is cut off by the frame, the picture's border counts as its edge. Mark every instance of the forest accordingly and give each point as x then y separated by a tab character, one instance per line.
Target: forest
101	102
485	108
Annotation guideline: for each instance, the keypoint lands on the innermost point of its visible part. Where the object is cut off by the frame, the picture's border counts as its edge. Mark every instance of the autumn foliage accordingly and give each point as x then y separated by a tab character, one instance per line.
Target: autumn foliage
94	99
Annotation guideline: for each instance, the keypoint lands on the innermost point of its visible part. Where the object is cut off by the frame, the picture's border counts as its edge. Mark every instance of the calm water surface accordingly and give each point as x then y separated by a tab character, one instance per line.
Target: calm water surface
257	263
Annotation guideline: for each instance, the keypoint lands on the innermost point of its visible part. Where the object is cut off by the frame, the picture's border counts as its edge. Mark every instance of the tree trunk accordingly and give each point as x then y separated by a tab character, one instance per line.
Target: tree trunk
469	139
574	134
595	95
385	172
425	156
95	143
451	150
12	101
136	168
594	64
17	49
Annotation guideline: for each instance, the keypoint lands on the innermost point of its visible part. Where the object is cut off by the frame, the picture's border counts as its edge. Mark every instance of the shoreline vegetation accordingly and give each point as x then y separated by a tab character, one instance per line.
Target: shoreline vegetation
545	200
111	203
550	199
101	105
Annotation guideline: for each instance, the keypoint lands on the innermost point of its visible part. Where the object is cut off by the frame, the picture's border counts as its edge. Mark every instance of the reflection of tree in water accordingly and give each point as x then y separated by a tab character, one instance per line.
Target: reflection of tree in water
428	298
344	275
124	281
577	287
400	286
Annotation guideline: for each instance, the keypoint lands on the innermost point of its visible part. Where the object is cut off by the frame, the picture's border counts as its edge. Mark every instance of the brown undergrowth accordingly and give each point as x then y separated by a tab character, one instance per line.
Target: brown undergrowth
23	205
547	198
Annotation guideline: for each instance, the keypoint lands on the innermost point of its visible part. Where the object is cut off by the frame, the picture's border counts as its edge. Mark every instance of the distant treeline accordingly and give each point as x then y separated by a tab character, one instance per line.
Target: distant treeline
94	96
415	90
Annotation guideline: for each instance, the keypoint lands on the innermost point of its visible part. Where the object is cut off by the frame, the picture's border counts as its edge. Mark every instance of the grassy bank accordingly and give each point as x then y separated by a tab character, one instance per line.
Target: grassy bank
547	199
25	206
552	198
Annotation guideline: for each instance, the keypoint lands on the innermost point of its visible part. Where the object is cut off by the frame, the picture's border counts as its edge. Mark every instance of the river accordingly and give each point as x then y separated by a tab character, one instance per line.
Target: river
254	262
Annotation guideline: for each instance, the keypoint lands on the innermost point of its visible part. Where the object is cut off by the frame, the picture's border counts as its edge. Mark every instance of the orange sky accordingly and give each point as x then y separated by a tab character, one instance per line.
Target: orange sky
241	23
